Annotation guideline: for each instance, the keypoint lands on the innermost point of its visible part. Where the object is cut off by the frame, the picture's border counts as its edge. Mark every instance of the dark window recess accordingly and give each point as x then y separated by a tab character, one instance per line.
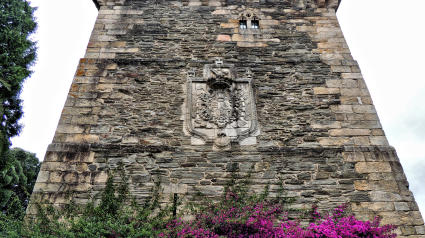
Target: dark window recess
255	24
243	24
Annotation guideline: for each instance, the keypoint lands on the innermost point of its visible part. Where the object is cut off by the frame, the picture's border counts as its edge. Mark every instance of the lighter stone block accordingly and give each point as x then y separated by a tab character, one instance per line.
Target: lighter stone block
349	132
43	176
353	156
249	141
196	141
373	167
372	206
174	188
401	206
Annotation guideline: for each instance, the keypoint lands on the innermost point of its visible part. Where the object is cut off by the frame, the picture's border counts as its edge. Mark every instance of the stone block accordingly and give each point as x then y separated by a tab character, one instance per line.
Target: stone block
380	196
386	186
43	177
353	156
85	80
86	157
186	175
341	69
387	176
262	167
265	23
71	129
89	119
130	140
326	141
351	92
73	178
361	140
378	132
230	25
420	230
364	109
91	55
102	38
51	156
321	90
219	175
373	167
326	125
47	187
249	141
221	12
372	206
251	44
99	177
208	190
341	108
169	165
378	140
107	55
352	75
224	38
306	28
55	166
81	138
401	206
408	230
104	88
174	188
107	111
106	12
85	187
98	44
75	111
246	158
100	129
401	218
349	132
362	125
302	166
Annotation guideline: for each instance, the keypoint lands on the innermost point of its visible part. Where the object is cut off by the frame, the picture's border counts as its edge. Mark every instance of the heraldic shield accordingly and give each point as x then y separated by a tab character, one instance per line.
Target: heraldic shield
220	107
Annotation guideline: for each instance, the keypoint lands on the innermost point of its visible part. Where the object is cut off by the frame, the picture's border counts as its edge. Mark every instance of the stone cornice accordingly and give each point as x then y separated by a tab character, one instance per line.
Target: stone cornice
320	3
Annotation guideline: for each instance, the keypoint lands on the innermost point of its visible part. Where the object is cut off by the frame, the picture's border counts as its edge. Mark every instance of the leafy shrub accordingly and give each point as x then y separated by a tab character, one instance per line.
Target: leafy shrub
12	219
117	215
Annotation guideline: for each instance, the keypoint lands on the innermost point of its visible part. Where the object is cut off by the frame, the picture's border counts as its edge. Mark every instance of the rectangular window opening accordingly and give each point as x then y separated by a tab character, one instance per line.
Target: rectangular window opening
255	24
243	24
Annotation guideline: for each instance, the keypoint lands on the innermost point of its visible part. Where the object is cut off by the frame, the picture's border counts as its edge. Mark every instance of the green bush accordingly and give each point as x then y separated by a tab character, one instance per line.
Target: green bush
116	215
11	220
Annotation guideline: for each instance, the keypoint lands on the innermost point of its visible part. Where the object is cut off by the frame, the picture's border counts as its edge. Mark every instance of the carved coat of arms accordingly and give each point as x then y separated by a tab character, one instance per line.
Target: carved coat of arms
220	107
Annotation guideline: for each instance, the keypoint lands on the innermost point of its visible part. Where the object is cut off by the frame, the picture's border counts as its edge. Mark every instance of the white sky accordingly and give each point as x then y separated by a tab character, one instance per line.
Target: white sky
385	37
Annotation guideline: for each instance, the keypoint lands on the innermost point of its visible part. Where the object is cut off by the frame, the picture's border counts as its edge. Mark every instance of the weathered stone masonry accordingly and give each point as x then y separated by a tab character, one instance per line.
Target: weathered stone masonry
317	126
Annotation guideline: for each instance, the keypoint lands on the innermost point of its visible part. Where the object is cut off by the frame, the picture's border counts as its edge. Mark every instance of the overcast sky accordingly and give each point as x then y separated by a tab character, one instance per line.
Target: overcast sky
385	36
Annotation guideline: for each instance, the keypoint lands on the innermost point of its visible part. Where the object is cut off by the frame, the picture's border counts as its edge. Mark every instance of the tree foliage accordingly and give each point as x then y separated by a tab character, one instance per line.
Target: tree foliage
17	54
20	178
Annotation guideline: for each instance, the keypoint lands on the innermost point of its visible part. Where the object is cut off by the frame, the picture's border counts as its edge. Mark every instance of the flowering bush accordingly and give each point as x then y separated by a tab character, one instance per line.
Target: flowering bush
259	221
238	215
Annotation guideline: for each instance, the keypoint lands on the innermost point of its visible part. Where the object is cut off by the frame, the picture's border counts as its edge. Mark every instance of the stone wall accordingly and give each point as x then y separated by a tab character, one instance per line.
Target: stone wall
130	105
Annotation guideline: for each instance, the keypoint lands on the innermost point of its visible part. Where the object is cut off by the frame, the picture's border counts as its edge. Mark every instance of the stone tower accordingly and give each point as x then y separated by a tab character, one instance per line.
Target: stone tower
192	88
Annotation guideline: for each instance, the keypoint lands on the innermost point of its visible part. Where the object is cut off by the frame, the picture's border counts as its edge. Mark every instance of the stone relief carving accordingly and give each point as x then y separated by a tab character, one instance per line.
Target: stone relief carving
220	107
250	14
